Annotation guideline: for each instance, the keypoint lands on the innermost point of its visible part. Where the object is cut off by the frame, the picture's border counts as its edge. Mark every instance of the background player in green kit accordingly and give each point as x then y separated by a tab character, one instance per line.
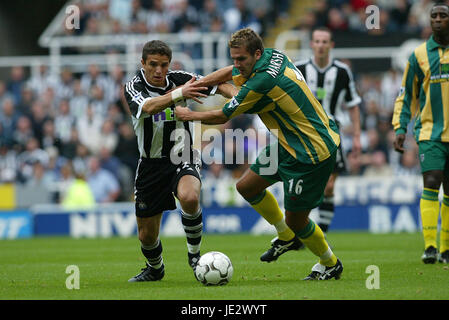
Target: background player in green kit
425	93
273	88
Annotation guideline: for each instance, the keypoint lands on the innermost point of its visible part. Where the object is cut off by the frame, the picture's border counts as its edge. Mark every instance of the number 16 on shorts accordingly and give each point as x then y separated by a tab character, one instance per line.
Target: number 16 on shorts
295	188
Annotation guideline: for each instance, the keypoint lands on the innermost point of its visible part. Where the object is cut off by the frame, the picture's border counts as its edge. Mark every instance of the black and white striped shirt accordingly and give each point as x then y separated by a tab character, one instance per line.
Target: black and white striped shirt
156	134
332	85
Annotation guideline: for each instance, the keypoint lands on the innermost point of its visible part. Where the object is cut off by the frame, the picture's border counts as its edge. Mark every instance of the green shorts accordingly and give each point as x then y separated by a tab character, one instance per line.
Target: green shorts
434	155
304	184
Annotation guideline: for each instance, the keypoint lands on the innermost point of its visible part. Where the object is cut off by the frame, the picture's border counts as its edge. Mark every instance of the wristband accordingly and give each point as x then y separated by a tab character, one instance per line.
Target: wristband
176	95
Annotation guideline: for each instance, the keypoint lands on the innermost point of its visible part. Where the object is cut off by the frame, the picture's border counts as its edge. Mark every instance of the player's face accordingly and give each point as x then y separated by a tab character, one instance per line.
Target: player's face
321	44
156	68
439	19
244	61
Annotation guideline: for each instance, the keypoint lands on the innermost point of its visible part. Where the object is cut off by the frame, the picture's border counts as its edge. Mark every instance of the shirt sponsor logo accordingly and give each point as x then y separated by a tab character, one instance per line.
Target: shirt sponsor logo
233	104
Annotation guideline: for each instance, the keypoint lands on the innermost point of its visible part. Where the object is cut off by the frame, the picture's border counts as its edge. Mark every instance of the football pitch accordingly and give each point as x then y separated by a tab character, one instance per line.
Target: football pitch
35	269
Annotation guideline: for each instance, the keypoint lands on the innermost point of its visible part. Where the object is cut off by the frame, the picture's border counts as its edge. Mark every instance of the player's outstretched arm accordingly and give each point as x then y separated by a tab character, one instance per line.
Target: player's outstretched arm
217	77
187	91
206	117
227	90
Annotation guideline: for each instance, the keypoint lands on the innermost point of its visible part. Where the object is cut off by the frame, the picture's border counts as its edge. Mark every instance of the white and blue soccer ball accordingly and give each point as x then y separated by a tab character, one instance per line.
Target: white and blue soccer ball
214	268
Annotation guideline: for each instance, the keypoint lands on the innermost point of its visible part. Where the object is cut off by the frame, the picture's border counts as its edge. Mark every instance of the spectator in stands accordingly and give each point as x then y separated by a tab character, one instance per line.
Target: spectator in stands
94	77
123	174
188	16
78	193
307	22
40	179
114	84
41	80
120	11
49	101
23	132
389	88
127	150
8	162
421	11
38	117
239	16
4	94
336	21
98	101
66	177
208	15
400	13
79	101
16	82
49	138
115	114
138	19
159	20
64	85
8	120
108	136
89	128
408	163
26	159
103	184
27	98
378	166
81	158
64	121
355	166
69	147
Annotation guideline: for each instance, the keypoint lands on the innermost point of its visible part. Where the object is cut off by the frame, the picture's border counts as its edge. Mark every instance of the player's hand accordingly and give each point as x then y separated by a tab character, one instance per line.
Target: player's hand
182	113
399	143
191	91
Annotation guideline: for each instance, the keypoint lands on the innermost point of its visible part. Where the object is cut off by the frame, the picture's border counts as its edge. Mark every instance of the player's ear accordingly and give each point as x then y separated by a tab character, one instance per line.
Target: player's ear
142	62
258	54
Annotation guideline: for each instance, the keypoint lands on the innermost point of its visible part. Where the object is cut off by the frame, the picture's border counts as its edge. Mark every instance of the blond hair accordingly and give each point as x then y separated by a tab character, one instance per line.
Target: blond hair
248	39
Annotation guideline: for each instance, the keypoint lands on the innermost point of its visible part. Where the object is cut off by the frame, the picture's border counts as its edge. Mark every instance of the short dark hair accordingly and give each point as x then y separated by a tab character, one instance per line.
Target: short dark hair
156	47
248	39
325	29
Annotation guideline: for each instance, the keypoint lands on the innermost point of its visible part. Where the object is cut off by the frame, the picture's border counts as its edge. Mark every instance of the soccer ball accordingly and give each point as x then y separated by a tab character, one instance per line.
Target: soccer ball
214	268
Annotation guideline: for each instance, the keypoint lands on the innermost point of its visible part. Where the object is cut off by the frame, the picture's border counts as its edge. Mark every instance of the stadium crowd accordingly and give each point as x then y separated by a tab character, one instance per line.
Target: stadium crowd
53	129
173	16
405	16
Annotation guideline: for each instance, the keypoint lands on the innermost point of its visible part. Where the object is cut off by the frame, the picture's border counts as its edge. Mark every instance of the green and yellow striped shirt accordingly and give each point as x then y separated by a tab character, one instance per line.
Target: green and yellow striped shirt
425	94
277	92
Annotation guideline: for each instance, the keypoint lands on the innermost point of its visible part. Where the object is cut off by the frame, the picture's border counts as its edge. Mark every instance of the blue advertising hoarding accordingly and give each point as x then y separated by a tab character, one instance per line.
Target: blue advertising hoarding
378	205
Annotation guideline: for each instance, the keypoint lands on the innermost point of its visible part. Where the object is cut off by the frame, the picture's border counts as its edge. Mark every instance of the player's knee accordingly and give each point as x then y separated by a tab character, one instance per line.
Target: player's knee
244	190
432	180
189	201
329	190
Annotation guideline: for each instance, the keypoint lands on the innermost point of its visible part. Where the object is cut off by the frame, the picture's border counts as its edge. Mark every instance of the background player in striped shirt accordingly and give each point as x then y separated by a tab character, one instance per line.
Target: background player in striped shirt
425	94
332	83
162	139
275	90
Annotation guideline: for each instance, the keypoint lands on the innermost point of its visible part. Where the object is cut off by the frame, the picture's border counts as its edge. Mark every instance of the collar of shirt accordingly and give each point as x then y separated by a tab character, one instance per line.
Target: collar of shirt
432	44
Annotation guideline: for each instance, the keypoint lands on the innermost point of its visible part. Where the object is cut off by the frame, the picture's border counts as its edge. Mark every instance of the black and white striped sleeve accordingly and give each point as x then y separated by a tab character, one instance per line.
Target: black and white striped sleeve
352	98
180	77
136	96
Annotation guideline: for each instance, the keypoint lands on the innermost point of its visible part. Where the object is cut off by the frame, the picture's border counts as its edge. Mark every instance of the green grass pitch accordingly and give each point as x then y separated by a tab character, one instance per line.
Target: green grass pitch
35	269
